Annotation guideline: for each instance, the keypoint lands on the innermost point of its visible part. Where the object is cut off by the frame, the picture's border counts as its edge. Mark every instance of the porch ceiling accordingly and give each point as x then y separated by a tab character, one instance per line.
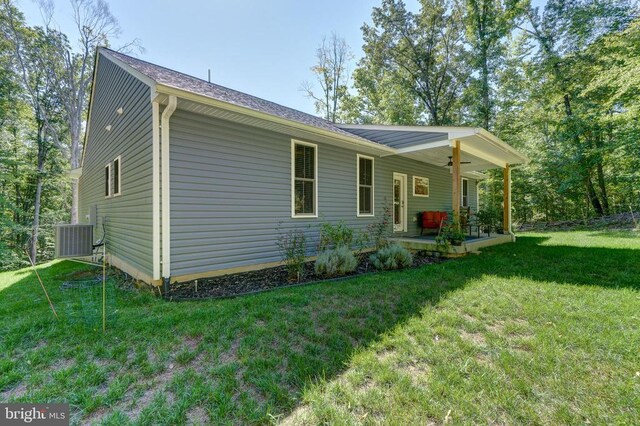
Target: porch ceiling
433	145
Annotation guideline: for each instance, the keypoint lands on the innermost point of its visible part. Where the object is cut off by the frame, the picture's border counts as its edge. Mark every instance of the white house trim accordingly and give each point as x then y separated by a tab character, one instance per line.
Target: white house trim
295	142
405	201
166	201
117	190
462	183
373	186
413	185
155	188
108	188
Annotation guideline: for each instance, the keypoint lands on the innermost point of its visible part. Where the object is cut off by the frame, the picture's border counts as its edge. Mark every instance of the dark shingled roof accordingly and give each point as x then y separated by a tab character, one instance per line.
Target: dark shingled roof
168	77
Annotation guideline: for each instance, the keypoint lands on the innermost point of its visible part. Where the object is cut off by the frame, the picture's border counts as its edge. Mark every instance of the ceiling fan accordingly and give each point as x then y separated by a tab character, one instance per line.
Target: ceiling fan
450	163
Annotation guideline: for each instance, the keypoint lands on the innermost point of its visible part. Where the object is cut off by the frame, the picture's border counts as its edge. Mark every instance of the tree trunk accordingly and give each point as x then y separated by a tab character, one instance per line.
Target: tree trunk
36	218
603	187
591	192
486	106
42	153
600	173
74	201
75	154
593	197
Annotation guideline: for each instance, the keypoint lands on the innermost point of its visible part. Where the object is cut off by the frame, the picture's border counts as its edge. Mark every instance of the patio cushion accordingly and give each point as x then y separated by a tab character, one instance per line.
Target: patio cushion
433	219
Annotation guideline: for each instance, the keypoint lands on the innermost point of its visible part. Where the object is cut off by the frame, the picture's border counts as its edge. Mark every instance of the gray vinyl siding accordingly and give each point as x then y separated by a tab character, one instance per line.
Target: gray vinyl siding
231	192
128	216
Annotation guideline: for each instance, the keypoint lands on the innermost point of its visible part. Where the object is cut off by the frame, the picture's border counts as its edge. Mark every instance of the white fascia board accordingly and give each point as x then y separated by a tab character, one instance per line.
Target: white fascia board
356	141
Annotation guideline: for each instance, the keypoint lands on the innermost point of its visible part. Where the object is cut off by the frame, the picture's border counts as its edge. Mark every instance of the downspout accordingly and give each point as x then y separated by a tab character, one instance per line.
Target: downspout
166	201
155	189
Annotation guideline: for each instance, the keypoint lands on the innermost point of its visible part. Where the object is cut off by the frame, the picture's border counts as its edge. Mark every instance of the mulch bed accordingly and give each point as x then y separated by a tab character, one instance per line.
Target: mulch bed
267	279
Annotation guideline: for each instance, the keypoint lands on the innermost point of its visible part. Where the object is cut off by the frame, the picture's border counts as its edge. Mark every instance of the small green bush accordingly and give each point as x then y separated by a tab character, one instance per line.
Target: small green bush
292	245
334	236
393	256
338	261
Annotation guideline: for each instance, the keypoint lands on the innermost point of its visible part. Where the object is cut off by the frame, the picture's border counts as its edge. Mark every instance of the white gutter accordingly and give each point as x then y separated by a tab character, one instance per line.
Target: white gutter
352	140
166	202
155	188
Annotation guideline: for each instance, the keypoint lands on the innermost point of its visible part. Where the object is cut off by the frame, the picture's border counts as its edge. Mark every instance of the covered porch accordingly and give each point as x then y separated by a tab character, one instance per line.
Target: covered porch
428	243
468	152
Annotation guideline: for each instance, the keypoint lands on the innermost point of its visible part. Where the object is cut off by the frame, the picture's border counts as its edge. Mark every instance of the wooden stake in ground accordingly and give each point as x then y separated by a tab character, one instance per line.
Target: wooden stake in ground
33	265
104	287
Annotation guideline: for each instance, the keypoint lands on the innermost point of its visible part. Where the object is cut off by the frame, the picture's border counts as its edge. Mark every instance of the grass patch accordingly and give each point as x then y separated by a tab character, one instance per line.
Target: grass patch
546	330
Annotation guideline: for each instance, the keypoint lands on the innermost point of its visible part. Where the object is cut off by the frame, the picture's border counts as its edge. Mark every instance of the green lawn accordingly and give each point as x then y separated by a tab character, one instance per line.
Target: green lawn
544	331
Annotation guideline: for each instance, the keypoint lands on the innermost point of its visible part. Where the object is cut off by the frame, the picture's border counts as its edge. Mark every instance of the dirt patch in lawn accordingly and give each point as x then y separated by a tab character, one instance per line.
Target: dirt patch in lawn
197	416
267	279
476	338
17	391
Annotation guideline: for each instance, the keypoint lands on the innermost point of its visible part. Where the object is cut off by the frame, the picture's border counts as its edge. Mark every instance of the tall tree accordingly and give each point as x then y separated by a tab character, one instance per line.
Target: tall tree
332	74
34	55
561	32
95	26
488	22
422	54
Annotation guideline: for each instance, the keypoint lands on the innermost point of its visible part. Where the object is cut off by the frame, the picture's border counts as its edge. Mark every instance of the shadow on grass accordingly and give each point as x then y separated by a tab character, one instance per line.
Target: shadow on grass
246	359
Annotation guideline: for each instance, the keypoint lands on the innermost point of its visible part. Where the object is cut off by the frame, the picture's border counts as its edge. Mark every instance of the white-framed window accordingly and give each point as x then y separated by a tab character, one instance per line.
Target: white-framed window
117	175
465	193
365	188
304	179
420	186
107	180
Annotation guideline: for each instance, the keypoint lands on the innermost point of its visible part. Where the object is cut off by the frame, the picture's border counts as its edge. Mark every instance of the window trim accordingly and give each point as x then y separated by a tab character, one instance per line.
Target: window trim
118	191
295	142
462	181
108	183
373	186
428	186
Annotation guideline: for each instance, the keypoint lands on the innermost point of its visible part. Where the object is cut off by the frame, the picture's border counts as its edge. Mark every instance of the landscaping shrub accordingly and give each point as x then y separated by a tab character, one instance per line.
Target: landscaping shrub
451	233
292	245
379	231
392	256
337	261
334	236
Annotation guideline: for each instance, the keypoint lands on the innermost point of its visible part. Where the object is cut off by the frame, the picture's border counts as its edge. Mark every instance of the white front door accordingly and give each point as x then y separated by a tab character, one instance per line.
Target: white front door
399	202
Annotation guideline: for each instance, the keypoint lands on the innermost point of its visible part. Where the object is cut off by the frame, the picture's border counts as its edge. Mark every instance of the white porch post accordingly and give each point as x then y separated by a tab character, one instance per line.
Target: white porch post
455	192
506	213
